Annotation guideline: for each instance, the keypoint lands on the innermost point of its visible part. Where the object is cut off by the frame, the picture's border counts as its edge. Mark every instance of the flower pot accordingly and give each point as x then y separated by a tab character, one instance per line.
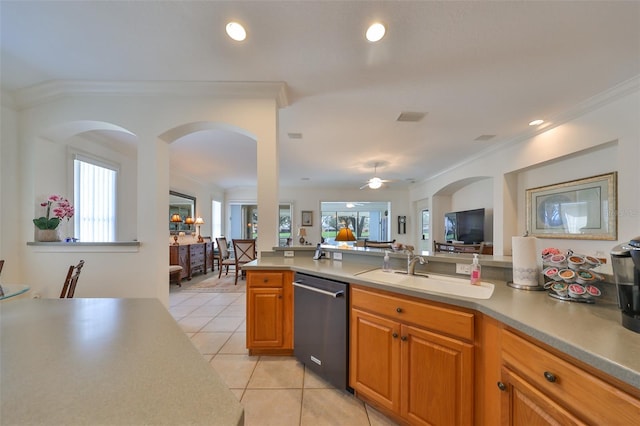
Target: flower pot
47	235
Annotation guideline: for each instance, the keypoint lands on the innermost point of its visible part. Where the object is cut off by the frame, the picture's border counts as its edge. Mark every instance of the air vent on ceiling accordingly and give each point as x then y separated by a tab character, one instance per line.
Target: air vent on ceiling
484	137
294	135
411	116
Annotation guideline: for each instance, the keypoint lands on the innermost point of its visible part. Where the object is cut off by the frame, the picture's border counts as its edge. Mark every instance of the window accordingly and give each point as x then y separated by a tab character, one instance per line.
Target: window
367	220
95	200
216	219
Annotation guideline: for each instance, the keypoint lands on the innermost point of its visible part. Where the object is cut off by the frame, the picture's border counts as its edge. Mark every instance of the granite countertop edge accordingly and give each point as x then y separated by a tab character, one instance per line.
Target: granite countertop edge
590	333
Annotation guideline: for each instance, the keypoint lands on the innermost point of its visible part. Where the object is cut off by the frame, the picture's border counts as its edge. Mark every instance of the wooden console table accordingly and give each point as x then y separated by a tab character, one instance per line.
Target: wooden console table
196	257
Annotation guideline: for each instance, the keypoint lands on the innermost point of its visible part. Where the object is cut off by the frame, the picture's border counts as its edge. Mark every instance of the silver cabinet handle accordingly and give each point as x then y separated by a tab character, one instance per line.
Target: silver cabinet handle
319	290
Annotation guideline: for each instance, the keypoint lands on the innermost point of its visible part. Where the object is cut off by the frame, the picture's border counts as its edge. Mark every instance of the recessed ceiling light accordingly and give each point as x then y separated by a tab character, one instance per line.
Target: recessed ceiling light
536	122
375	32
236	31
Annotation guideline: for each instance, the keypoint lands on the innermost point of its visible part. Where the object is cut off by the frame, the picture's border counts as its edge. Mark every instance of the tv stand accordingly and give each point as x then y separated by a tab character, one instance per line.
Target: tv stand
481	248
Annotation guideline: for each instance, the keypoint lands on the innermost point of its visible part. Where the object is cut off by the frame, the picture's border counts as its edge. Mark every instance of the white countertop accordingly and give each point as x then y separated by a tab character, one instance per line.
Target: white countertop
105	361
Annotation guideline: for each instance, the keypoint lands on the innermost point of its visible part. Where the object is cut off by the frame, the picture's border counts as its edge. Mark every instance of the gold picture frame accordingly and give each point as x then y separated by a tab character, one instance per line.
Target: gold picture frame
583	209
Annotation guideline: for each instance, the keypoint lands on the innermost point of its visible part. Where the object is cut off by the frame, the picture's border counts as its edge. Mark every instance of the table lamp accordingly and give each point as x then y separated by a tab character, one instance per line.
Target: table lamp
345	234
199	221
302	232
175	218
189	221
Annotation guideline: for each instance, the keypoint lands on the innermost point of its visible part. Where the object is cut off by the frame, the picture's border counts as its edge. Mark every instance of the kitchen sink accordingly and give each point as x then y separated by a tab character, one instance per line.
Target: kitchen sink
431	283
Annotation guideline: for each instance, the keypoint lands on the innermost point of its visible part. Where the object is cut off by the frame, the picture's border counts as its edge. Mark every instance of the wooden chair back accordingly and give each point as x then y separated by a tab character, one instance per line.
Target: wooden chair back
1	265
244	250
223	248
69	287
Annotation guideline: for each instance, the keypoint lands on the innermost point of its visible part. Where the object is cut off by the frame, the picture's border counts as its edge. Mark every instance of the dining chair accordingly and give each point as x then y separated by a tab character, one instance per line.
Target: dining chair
224	257
245	252
69	287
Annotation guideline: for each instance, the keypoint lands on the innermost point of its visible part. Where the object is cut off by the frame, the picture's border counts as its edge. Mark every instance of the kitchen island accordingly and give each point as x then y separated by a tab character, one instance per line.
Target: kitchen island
105	361
577	346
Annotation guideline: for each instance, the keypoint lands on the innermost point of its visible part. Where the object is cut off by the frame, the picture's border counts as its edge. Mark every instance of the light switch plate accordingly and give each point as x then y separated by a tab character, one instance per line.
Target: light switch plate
463	268
337	256
289	253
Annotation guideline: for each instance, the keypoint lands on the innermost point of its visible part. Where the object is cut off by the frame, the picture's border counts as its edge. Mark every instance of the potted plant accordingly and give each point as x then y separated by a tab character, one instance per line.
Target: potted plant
47	226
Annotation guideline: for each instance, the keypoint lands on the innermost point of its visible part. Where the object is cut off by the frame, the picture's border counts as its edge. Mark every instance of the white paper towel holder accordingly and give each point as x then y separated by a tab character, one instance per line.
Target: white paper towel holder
537	287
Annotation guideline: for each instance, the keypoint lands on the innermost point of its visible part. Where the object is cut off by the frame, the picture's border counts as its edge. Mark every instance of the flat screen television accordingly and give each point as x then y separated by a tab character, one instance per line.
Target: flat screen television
466	226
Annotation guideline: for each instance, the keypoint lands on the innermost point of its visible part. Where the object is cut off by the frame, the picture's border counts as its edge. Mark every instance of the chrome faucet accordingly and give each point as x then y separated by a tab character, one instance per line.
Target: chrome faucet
411	263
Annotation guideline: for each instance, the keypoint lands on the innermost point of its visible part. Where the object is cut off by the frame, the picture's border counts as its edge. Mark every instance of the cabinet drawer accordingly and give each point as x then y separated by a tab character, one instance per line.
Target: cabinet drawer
423	314
197	249
583	393
265	279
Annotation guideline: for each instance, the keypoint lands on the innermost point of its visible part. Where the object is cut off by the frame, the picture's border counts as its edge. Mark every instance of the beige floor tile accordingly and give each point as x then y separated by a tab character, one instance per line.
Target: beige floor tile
191	324
207	311
198	299
332	407
181	311
225	298
229	324
376	418
235	370
243	326
237	344
277	407
313	381
234	311
209	343
277	372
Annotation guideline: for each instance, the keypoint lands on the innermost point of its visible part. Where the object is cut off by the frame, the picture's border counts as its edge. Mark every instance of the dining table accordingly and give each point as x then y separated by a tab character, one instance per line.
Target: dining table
8	291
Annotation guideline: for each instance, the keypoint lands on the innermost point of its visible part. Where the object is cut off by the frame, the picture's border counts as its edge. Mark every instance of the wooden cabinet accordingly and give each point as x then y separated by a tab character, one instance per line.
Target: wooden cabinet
270	312
192	258
411	358
542	388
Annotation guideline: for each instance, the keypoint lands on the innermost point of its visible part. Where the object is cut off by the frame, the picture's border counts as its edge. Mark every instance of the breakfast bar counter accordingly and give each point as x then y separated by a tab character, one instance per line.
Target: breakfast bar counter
105	361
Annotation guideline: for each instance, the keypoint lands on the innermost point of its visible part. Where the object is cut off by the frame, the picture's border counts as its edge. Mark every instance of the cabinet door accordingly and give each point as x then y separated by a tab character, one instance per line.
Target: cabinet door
375	358
524	405
265	312
437	378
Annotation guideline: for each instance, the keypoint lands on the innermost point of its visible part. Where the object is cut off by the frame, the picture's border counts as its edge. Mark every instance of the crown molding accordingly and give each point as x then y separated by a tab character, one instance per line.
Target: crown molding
56	89
593	103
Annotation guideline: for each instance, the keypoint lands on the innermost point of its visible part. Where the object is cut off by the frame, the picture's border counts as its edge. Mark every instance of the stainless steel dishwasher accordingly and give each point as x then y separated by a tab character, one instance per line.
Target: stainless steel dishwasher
320	337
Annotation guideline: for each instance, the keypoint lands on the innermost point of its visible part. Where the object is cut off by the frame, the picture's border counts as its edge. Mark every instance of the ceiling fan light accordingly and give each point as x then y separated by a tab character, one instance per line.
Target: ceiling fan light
375	183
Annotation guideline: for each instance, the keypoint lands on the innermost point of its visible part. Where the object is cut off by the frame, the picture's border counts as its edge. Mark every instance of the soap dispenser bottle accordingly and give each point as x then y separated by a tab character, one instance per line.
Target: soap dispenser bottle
475	270
385	262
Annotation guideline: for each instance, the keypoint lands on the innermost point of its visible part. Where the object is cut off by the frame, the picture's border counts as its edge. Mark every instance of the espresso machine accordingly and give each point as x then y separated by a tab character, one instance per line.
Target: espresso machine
625	260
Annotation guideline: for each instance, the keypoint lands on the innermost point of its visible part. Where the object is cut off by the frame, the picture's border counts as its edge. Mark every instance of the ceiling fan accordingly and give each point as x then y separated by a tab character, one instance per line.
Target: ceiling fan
375	182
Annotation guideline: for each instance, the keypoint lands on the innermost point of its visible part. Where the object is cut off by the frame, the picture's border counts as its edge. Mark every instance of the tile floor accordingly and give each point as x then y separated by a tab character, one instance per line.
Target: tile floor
273	390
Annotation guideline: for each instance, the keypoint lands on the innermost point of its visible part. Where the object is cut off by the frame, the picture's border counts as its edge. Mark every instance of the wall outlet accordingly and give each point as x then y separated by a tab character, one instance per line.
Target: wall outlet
463	268
289	253
337	256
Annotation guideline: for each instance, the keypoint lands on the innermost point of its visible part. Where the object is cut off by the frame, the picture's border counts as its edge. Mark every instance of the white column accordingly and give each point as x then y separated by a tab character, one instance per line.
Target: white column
268	185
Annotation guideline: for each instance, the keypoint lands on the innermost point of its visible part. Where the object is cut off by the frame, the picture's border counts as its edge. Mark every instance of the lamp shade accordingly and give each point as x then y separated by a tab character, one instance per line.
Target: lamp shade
302	232
345	234
176	218
199	221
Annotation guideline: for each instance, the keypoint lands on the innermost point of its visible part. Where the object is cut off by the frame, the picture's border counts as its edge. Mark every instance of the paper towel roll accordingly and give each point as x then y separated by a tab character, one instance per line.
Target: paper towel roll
525	261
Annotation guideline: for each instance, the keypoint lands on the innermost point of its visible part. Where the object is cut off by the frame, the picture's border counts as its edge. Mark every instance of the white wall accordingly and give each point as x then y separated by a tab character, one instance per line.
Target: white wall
603	139
310	198
33	137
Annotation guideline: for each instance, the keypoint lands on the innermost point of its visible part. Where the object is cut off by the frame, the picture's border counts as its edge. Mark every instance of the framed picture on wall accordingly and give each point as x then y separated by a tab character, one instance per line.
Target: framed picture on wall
580	209
307	218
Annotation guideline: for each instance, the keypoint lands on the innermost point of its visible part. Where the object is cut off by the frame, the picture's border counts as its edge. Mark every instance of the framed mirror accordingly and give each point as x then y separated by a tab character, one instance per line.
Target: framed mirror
184	206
